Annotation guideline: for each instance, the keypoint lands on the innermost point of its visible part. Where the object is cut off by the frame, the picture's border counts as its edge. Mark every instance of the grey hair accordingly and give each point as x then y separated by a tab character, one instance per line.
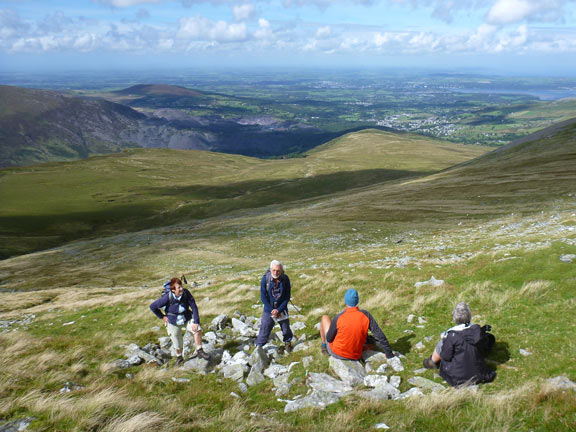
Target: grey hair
461	313
276	263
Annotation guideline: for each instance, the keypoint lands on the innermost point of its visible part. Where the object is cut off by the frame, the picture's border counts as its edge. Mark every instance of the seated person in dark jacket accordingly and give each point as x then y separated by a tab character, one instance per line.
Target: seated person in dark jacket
180	312
345	336
460	352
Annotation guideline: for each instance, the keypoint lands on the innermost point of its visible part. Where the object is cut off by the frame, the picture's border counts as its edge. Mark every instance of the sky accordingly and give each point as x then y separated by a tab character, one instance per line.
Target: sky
526	36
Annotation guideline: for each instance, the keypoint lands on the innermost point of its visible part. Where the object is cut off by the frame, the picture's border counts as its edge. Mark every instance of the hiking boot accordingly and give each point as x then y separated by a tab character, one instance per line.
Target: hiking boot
179	361
288	347
429	364
202	354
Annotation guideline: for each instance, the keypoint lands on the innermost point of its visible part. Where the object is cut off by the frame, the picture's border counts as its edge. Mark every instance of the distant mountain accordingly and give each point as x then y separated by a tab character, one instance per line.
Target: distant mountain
47	126
40	126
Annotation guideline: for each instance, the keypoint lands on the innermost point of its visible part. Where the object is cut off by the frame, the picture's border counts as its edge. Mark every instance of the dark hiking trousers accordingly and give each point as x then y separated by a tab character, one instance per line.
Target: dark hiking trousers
266	327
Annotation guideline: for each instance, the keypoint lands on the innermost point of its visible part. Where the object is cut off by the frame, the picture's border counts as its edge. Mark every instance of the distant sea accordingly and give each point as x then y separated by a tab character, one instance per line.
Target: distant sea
545	95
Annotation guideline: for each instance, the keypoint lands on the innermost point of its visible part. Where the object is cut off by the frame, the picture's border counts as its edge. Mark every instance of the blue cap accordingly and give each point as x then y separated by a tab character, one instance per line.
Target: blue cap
351	297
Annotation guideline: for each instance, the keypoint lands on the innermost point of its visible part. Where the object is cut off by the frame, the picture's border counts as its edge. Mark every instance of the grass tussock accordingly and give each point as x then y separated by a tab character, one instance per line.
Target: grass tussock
535	288
141	422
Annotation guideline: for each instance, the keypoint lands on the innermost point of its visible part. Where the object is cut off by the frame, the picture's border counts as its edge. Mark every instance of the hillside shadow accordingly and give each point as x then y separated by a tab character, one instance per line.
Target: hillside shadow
288	189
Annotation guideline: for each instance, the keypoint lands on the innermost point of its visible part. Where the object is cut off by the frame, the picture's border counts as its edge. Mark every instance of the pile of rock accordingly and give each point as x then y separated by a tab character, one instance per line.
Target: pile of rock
23	321
230	342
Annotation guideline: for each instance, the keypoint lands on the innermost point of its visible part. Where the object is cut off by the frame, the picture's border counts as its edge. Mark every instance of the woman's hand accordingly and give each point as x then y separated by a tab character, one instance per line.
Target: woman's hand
194	327
165	319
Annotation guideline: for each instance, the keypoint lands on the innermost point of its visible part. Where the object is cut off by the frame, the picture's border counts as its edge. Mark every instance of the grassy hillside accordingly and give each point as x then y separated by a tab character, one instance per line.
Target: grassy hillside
493	230
48	204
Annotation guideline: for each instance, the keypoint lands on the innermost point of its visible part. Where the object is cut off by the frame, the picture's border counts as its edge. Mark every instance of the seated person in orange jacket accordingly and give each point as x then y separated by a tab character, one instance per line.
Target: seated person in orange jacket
344	337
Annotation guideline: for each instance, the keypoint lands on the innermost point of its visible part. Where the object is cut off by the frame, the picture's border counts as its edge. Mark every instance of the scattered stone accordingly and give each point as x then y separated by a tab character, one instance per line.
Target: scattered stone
414	391
259	359
307	361
220	322
235	395
381	426
326	383
395	380
350	371
301	346
68	323
410	318
275	370
255	377
373	356
419	346
422	320
561	383
382	368
242	328
525	353
234	371
16	425
181	380
425	384
382	392
569	258
317	399
165	342
420	371
396	364
242	387
298	326
375	380
70	387
433	282
129	376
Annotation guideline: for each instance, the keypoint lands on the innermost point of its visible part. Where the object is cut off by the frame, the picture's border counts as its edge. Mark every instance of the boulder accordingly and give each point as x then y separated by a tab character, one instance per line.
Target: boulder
395	380
414	391
234	371
561	383
298	326
255	376
396	364
425	384
326	383
275	370
375	380
165	342
350	371
317	399
204	366
259	359
381	392
242	328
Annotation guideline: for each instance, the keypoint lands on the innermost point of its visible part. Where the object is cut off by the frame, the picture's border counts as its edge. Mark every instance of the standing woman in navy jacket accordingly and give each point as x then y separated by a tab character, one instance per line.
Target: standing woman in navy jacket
180	311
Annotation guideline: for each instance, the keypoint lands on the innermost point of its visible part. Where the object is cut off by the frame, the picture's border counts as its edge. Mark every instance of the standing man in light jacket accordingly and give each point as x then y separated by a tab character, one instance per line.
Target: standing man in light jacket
275	295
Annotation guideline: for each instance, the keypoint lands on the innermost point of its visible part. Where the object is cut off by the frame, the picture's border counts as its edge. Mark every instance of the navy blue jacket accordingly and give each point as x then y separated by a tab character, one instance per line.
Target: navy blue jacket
266	293
172	306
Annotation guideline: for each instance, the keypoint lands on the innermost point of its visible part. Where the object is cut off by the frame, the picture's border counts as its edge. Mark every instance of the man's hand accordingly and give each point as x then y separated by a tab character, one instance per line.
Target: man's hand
194	327
275	313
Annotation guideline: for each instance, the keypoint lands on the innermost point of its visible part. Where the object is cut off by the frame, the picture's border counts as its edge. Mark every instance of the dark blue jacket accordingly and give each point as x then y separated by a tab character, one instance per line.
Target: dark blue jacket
266	293
172	306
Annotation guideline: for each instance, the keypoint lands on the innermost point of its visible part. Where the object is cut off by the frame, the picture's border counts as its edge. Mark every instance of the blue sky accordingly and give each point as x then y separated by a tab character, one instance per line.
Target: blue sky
534	36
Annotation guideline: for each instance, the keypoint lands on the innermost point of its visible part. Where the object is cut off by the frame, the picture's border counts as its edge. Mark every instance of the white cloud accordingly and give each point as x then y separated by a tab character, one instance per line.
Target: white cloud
324	32
512	11
200	28
127	3
243	12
